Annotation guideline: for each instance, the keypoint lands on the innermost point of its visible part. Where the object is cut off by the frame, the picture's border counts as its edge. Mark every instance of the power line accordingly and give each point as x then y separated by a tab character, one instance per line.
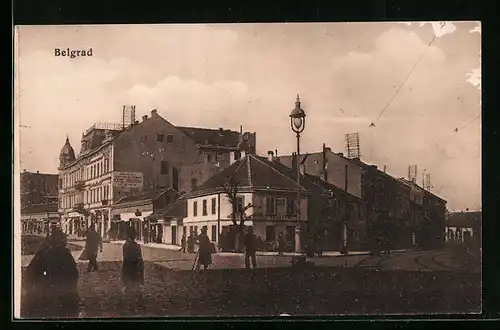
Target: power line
456	130
406	78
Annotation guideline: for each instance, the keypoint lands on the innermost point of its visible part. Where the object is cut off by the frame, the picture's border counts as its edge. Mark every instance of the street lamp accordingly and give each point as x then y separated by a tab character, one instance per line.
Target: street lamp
298	124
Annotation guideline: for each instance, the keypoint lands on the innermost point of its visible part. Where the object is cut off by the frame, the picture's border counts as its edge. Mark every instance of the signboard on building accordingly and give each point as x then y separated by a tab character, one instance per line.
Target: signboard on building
128	180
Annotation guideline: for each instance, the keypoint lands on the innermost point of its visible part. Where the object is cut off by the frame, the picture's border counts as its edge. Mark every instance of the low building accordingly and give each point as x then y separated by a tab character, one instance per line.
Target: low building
171	218
271	190
134	211
37	218
38	195
463	227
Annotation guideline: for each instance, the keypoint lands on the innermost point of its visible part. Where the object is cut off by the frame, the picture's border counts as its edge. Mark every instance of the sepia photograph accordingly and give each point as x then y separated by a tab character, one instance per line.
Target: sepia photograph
244	170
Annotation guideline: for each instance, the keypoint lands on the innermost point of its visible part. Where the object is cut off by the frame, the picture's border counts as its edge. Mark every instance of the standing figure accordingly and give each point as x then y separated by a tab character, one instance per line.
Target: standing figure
52	281
93	244
183	244
133	264
190	243
205	250
281	244
250	248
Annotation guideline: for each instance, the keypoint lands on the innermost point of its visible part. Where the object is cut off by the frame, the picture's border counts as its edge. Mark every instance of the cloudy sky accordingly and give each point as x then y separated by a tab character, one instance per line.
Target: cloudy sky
249	74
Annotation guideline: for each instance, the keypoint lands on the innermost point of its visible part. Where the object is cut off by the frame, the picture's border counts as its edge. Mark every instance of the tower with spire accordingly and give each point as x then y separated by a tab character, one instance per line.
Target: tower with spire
67	154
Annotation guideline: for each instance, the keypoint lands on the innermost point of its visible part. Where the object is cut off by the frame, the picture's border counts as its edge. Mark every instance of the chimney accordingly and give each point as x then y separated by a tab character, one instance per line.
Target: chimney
324	166
37	172
144	117
303	169
276	152
241	129
153	112
340	154
270	156
385	168
24	170
136	122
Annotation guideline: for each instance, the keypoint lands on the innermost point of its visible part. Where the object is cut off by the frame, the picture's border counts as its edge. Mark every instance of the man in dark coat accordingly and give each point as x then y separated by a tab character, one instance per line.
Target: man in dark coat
93	244
52	281
190	243
205	250
250	248
133	264
183	244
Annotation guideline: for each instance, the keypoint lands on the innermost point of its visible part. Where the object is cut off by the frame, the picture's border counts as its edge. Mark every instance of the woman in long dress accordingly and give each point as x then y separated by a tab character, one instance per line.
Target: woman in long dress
133	264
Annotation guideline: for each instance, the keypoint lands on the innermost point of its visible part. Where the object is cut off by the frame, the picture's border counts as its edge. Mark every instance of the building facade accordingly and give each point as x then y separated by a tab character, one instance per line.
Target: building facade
38	201
389	204
117	161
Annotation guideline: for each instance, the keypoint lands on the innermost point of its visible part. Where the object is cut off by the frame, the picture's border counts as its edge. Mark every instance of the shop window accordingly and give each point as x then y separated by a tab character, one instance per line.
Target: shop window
270	233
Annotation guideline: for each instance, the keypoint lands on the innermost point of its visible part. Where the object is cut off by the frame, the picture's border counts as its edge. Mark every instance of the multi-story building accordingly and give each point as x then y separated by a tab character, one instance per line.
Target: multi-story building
388	201
117	161
38	201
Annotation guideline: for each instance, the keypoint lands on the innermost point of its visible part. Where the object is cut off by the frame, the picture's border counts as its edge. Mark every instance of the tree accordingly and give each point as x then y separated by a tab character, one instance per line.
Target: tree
238	214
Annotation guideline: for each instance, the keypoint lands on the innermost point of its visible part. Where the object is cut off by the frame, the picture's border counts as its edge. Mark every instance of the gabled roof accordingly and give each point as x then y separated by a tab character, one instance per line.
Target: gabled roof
257	173
149	195
464	219
177	209
40	208
214	137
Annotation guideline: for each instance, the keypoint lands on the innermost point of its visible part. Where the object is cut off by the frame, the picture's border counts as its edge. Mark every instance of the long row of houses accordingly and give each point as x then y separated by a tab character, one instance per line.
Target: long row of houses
169	181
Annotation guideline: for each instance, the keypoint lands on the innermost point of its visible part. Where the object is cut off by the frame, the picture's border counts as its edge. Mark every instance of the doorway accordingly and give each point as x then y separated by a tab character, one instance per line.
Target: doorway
174	235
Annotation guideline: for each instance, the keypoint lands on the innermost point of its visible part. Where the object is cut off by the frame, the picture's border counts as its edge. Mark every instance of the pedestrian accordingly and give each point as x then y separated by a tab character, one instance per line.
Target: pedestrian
133	263
190	243
52	278
183	244
205	250
93	244
250	248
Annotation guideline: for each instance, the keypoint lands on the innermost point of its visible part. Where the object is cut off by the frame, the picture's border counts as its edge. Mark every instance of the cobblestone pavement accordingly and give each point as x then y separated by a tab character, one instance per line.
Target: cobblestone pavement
439	260
348	285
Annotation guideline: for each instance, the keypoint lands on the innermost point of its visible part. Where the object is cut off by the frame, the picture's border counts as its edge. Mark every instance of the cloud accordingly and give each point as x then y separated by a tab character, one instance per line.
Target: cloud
475	77
440	28
476	29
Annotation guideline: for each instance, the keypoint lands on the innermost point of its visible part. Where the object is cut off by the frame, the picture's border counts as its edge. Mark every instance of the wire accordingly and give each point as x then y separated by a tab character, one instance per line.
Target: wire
456	130
404	81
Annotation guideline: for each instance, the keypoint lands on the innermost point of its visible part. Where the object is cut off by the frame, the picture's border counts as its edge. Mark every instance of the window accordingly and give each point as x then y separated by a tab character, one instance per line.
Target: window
164	167
60	183
209	158
159	137
240	203
195	230
170	138
270	233
195	208
291	206
205	211
270	205
214	233
214	204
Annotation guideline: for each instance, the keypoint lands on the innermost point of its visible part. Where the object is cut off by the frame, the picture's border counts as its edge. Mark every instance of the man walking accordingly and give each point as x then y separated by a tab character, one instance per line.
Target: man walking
183	244
250	248
93	244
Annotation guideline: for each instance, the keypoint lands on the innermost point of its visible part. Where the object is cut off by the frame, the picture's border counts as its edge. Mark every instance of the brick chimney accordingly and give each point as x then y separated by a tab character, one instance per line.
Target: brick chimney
324	165
153	112
144	117
270	156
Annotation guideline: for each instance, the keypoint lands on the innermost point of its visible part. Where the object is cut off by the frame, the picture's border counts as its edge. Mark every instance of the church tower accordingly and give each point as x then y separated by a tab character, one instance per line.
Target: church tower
67	154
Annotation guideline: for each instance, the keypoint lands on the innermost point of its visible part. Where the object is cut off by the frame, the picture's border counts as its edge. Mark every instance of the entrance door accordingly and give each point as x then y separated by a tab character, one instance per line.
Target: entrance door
174	235
290	238
160	233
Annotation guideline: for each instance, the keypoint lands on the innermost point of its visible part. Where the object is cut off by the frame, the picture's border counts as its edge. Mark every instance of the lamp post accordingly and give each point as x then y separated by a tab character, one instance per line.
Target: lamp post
298	124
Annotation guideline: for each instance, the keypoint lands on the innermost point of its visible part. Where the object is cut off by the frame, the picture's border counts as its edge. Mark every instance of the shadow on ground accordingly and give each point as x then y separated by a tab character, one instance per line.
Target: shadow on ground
272	291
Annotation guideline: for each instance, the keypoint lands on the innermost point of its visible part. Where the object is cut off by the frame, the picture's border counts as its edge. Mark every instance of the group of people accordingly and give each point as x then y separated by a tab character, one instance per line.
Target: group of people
206	248
52	276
